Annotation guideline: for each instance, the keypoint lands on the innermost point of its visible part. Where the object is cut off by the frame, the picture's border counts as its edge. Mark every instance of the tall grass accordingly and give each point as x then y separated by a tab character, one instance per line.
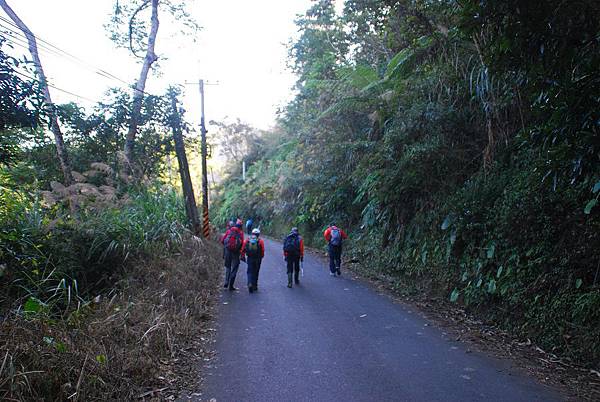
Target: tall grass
51	259
102	304
150	220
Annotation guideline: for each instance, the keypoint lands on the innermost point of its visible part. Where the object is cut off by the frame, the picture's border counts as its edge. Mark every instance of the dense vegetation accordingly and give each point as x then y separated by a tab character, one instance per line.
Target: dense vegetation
85	231
459	141
102	286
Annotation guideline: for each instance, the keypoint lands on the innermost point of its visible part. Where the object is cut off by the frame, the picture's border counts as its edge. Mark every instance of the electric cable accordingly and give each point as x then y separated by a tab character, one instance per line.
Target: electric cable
54	86
55	50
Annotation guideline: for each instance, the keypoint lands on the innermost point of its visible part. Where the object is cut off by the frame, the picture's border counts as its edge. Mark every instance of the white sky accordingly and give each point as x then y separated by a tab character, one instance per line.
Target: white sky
241	45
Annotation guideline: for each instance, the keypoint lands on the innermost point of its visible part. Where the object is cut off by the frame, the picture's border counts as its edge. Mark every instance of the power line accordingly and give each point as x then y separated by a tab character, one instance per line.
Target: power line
55	50
16	33
12	23
17	40
50	85
53	86
25	46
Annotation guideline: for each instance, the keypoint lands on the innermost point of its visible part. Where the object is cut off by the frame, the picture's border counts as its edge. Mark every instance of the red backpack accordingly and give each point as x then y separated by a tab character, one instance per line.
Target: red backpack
233	240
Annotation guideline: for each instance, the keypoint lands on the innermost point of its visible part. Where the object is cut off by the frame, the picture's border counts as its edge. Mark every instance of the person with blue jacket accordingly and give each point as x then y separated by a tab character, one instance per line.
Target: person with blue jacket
249	224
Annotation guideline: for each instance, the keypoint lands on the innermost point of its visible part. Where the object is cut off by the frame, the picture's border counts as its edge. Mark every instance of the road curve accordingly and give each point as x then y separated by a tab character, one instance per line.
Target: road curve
335	339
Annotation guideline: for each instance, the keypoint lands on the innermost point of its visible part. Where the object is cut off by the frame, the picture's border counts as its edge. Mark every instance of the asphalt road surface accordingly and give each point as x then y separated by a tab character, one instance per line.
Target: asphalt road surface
336	339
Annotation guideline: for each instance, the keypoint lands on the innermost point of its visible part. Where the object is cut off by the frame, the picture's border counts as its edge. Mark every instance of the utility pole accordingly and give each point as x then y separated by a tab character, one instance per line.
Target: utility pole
204	152
205	218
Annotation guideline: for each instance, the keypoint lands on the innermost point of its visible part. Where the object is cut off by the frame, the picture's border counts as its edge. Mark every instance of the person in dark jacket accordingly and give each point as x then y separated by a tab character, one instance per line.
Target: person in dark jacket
229	226
293	251
249	224
253	251
334	237
232	241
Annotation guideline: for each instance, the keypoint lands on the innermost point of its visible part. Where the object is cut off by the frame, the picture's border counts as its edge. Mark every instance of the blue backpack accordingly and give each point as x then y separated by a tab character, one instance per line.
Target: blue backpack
336	237
291	245
253	247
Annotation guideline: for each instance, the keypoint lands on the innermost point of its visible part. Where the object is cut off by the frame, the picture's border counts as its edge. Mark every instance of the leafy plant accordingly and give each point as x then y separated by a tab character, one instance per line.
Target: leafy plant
459	143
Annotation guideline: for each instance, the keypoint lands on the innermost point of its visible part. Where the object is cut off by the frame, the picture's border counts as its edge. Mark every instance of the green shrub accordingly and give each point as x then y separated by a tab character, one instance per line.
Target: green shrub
56	257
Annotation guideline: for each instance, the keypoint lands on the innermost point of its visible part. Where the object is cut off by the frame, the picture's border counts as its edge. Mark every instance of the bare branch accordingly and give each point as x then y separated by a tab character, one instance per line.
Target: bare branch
141	85
142	7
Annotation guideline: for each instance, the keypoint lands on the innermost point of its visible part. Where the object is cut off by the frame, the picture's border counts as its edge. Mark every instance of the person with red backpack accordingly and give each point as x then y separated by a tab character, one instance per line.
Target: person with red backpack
293	251
232	241
229	226
334	237
253	251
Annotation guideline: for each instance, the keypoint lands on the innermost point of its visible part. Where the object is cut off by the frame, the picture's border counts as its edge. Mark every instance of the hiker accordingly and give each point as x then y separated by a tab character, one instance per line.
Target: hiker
293	251
334	237
249	224
253	251
232	241
229	226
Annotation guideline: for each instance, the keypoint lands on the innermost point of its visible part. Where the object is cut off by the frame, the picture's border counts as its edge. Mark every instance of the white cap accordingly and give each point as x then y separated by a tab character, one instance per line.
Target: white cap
256	231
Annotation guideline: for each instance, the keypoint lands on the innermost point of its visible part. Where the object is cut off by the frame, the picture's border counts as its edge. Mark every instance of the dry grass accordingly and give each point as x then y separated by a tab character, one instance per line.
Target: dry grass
139	341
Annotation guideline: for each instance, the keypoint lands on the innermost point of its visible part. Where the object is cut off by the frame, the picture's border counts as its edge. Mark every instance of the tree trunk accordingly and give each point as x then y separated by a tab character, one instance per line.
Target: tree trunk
184	171
61	151
140	86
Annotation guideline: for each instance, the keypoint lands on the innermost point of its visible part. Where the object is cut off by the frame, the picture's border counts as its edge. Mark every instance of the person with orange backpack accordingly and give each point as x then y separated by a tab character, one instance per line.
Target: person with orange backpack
334	237
232	241
253	251
293	251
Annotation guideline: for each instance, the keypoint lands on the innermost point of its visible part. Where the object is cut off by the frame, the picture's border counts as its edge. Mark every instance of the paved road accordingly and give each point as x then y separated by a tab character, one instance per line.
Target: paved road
335	339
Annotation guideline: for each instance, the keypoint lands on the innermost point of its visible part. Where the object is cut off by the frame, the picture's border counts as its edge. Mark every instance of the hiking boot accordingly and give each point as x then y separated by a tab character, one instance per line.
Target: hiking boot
290	285
250	288
226	286
339	272
233	288
332	274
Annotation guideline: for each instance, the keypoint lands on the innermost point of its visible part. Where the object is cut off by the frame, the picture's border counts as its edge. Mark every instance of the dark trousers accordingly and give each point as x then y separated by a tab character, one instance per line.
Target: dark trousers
253	270
335	257
293	266
232	263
